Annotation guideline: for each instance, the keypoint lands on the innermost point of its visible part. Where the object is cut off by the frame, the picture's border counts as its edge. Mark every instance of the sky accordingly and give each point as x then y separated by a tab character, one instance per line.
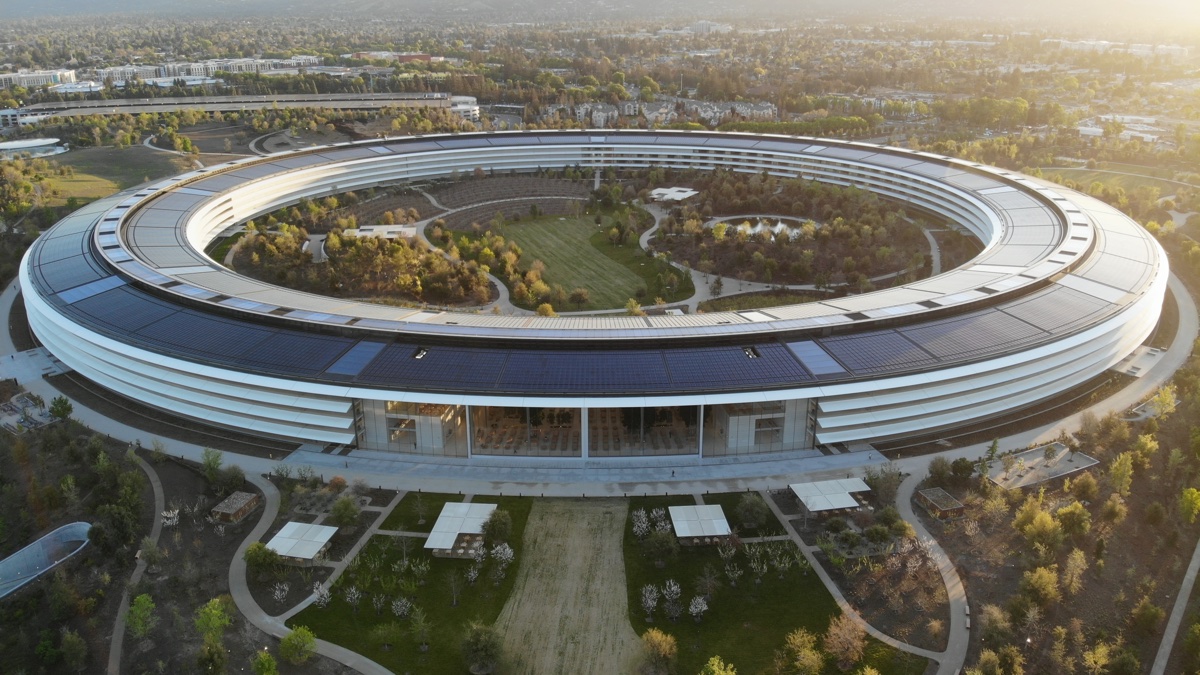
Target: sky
1176	17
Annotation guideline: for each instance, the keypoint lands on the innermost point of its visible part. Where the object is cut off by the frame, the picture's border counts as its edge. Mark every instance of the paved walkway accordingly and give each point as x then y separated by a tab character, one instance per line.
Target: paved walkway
841	599
955	654
240	590
117	645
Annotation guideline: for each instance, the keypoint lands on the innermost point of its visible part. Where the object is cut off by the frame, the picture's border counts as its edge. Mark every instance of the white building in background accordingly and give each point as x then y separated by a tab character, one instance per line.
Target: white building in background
703	27
127	72
36	78
466	107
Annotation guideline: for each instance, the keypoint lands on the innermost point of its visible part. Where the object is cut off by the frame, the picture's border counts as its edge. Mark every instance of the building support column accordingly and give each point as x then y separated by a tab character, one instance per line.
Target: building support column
700	430
470	434
583	432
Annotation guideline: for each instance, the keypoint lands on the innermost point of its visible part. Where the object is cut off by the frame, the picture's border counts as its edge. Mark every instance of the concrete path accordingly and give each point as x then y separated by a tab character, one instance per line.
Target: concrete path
955	654
1176	619
117	645
239	589
340	566
935	253
837	592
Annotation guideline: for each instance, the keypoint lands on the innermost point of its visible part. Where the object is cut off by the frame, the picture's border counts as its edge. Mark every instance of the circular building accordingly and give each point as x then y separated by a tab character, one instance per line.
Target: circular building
31	147
1064	288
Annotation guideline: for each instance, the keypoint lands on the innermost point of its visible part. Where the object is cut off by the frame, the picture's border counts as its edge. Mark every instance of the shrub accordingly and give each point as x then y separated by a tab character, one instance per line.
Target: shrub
259	558
498	527
345	511
752	511
298	646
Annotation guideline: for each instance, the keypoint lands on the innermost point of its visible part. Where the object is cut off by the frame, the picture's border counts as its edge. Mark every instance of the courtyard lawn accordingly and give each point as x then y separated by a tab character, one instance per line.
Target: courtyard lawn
564	245
124	167
1129	183
404	517
578	254
372	574
745	625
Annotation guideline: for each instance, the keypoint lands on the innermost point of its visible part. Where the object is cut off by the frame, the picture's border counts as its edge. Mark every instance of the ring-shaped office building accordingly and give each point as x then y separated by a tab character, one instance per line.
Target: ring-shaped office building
1064	288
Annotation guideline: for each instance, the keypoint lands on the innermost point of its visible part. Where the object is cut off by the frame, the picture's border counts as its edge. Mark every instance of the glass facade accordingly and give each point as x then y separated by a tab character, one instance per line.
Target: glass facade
710	431
640	432
754	428
412	428
531	432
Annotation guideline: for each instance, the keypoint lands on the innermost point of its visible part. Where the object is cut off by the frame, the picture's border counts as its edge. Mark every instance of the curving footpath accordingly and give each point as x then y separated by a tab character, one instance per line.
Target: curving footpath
117	645
274	626
947	664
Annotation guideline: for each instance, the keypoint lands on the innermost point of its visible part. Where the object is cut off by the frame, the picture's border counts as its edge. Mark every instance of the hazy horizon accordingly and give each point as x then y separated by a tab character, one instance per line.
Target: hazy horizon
1175	17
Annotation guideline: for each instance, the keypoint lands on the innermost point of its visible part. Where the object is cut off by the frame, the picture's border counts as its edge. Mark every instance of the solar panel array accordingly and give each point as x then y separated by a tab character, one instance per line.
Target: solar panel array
70	273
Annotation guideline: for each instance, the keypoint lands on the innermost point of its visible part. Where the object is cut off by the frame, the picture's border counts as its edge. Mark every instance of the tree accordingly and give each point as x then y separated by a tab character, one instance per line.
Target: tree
752	511
212	618
715	666
61	408
799	655
1085	488
580	297
1145	617
298	646
230	479
1189	504
1164	402
1072	576
1120	474
421	627
140	618
845	641
74	650
210	465
546	309
498	527
1041	585
264	664
482	648
634	308
660	545
1075	519
659	650
260	559
1096	659
344	512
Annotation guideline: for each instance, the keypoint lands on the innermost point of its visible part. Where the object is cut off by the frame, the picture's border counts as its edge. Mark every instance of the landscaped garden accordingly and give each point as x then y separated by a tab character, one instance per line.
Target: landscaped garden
736	601
410	611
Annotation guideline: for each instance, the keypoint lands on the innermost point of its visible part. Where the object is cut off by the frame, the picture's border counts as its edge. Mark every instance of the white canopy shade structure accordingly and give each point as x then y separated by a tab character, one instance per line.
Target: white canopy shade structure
672	194
829	495
302	541
458	518
699	521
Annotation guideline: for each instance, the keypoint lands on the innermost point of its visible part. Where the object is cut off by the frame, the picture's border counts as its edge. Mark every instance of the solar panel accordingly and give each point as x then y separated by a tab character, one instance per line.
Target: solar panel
875	352
88	290
731	367
816	360
978	333
577	372
124	309
439	368
356	358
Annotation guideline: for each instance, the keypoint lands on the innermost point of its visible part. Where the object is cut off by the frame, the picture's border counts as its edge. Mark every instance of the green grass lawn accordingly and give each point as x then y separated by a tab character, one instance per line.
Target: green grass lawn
744	625
125	167
757	300
372	574
1086	177
404	516
219	249
577	254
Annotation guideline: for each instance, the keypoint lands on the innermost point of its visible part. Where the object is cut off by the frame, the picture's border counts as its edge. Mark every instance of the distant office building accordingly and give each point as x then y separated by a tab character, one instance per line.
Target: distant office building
36	78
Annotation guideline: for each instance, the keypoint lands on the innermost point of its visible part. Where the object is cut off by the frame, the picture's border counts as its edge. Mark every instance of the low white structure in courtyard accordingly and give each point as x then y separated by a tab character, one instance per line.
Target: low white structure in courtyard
458	519
699	521
829	495
302	543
